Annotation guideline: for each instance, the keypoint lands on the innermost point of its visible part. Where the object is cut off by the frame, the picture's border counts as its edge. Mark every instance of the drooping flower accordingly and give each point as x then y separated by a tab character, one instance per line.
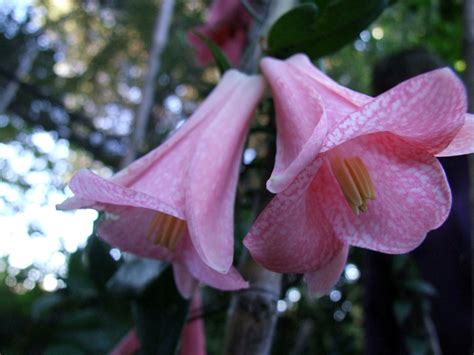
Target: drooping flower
193	340
355	170
176	203
227	25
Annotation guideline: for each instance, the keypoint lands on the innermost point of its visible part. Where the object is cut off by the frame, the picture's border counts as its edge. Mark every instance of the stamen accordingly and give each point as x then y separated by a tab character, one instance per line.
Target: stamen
346	182
355	182
166	230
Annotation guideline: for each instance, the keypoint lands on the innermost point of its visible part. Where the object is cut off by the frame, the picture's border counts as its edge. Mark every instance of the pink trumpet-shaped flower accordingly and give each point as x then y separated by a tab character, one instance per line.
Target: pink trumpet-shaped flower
193	340
226	25
176	203
355	170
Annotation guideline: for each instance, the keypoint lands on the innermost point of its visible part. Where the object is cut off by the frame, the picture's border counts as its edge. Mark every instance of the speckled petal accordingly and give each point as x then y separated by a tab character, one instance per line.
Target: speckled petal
185	282
292	234
193	341
463	143
226	282
339	98
300	118
322	280
427	110
88	186
412	196
127	227
163	172
73	203
213	174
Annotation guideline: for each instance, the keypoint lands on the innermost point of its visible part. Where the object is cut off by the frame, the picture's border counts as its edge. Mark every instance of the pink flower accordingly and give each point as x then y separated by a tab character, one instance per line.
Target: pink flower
226	25
355	170
129	345
176	203
193	341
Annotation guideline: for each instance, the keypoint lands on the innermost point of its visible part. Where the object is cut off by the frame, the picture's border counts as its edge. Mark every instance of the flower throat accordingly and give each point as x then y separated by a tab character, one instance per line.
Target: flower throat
166	230
355	182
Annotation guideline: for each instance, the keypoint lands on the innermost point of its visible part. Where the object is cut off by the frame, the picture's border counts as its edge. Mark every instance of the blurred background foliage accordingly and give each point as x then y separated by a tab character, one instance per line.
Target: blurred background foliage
76	69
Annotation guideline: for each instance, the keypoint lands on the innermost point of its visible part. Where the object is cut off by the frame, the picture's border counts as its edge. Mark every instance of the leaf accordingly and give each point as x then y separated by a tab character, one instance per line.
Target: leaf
220	58
160	316
422	287
78	282
317	33
99	262
402	310
417	346
293	32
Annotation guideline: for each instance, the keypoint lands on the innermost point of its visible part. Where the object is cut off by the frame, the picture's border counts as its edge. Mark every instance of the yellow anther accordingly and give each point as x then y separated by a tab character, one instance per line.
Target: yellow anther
166	230
355	182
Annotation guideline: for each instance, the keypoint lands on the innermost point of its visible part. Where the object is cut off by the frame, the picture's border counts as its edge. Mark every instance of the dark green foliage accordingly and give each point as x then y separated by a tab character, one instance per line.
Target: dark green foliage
160	315
321	31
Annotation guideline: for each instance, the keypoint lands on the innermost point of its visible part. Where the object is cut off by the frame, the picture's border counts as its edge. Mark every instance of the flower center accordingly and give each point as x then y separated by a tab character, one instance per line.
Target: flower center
166	230
354	180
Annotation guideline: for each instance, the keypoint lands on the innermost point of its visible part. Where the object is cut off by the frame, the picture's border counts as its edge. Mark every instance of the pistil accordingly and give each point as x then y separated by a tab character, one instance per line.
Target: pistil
166	230
354	179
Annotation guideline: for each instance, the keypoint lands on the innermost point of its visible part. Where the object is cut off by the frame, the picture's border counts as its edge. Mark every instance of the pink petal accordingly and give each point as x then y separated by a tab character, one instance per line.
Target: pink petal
332	92
163	172
412	196
427	110
322	280
292	234
301	123
226	25
88	186
185	282
223	11
127	228
213	174
226	282
129	345
463	142
73	203
193	341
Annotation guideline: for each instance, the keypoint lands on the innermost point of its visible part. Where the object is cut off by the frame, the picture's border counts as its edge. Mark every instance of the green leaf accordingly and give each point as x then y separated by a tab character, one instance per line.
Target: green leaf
417	346
293	31
421	287
160	316
79	283
220	58
99	263
306	29
402	310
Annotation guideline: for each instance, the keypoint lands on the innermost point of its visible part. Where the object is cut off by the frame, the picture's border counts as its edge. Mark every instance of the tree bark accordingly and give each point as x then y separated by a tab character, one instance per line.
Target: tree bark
160	37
